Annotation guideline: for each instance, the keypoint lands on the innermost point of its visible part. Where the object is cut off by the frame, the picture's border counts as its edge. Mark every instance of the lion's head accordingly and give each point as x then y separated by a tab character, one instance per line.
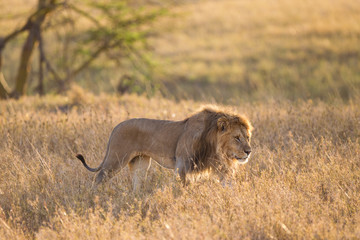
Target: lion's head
224	141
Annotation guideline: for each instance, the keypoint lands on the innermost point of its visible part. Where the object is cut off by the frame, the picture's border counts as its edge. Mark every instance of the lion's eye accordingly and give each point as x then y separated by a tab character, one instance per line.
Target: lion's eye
237	138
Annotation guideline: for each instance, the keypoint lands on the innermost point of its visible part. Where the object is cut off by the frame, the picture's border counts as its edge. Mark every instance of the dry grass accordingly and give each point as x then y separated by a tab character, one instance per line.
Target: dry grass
263	49
230	50
303	180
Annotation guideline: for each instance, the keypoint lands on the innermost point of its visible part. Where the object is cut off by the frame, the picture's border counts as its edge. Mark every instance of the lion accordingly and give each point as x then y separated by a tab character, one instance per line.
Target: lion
211	140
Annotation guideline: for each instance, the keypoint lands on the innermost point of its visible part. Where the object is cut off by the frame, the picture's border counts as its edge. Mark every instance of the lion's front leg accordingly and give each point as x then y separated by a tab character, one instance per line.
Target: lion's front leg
138	170
226	177
181	169
184	153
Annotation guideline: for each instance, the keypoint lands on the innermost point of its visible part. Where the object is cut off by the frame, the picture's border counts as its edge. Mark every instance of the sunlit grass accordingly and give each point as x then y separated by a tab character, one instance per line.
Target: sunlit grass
302	180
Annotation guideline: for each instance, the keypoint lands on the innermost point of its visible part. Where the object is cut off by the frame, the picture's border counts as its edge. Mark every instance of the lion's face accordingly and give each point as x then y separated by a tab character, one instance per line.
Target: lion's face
234	143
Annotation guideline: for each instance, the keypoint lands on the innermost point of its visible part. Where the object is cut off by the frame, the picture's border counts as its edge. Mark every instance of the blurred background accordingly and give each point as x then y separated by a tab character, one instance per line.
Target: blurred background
223	51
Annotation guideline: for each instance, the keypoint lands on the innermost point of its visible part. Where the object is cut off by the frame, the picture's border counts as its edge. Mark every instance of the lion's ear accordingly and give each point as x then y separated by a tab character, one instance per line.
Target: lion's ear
222	124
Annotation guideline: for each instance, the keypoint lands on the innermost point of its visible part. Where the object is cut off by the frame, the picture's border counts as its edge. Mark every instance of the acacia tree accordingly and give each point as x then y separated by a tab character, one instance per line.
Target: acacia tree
113	26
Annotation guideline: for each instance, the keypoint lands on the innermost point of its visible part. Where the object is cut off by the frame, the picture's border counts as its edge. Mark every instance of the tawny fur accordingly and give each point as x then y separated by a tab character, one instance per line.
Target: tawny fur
211	139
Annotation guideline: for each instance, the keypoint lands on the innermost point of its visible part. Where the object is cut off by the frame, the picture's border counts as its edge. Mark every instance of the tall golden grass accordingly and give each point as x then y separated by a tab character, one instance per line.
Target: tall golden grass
302	181
303	178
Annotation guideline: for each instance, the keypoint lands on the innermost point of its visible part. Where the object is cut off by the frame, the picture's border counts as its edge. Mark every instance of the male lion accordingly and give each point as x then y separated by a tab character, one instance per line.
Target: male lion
211	139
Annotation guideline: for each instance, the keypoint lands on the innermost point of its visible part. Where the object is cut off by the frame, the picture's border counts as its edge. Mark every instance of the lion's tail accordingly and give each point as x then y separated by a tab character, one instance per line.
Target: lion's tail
82	159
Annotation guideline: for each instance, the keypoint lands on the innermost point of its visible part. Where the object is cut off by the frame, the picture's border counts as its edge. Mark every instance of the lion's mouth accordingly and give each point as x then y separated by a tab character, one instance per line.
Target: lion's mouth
242	160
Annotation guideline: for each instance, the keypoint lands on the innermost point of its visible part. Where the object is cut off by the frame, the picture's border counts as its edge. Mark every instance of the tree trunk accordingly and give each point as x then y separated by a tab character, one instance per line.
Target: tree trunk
33	26
40	87
24	68
4	88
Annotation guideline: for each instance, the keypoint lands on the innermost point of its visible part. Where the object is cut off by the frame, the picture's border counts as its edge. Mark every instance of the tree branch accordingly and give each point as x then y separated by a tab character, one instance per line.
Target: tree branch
4	88
4	40
84	14
32	25
52	70
87	62
28	24
40	87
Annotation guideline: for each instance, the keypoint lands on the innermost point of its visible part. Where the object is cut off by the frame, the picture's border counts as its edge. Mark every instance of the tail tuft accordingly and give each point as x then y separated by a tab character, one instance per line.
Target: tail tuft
81	158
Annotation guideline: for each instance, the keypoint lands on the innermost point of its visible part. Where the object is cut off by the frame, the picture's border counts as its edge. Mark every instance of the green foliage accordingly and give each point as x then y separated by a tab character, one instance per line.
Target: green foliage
86	34
122	30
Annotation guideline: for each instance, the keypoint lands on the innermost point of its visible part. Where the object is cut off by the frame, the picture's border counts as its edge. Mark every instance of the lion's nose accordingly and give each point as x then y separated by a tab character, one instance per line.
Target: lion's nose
247	152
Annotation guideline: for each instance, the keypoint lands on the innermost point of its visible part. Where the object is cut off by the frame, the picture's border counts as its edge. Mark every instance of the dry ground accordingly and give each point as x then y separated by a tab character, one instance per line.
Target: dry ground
302	182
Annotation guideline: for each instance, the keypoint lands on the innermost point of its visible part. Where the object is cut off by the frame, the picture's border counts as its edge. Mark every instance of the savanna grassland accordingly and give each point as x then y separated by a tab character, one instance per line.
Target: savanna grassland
303	179
292	67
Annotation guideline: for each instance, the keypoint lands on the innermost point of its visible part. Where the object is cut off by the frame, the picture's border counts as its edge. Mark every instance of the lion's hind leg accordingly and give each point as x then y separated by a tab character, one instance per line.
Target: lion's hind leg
138	170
